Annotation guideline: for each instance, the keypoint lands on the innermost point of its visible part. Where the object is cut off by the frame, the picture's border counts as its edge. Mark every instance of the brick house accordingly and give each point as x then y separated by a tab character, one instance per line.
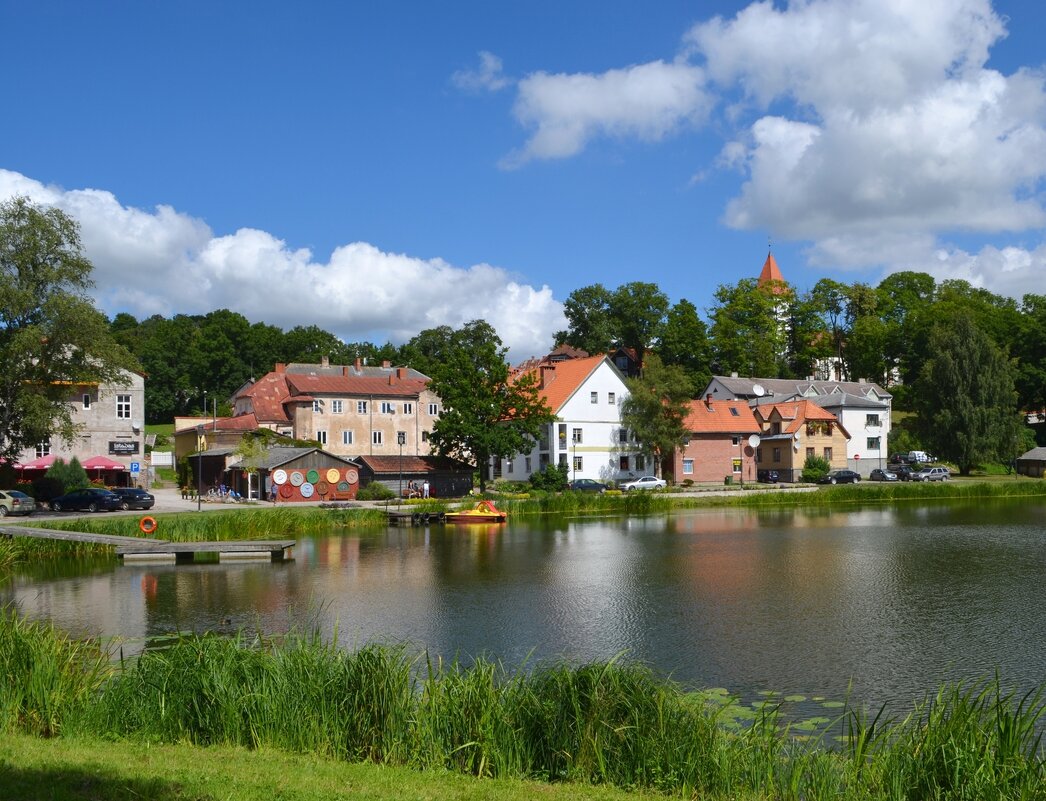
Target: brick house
350	410
794	430
717	444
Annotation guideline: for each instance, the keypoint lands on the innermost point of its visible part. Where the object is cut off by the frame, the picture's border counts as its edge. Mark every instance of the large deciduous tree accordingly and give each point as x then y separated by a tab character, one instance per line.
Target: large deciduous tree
684	342
748	333
485	413
591	324
52	337
965	396
655	409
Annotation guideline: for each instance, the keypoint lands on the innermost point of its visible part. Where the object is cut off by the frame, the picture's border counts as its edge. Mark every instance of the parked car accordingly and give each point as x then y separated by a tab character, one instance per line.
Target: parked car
644	482
134	498
840	477
904	472
898	458
882	475
932	474
15	502
769	476
586	485
93	499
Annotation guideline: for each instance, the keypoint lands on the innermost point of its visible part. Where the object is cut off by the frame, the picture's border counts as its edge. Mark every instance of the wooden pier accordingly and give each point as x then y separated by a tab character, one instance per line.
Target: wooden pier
141	549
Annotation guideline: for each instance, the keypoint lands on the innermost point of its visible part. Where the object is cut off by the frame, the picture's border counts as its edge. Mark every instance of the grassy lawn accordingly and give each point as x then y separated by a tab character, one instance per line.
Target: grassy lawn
35	769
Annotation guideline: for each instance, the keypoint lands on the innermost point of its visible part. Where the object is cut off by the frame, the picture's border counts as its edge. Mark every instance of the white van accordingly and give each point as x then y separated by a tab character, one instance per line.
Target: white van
917	456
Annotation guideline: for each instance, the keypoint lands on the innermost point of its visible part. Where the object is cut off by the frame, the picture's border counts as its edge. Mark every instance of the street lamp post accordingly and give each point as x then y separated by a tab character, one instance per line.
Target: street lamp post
401	438
199	466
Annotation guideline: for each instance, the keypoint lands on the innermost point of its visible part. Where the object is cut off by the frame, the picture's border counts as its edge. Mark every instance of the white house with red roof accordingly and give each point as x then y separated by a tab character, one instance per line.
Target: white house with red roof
585	394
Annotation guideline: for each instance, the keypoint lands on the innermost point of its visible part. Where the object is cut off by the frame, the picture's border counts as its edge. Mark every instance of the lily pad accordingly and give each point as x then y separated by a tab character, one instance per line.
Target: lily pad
833	704
795	698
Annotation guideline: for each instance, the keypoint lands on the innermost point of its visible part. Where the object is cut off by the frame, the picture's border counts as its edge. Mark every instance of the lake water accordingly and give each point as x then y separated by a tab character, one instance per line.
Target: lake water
888	601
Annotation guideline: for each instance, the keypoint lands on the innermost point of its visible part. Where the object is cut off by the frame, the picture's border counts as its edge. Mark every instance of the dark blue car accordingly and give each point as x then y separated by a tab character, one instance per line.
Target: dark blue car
92	499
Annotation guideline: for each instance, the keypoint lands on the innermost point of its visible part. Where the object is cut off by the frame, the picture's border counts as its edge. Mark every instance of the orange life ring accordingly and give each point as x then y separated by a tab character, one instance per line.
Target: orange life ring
147	525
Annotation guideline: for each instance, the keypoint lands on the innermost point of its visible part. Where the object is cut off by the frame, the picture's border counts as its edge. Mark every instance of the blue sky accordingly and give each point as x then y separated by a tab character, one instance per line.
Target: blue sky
379	168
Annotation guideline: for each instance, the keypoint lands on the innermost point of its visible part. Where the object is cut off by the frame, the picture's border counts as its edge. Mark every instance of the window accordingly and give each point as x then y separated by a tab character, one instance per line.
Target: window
361	407
809	453
346	437
735	440
408	408
621	363
775	428
317	406
321	437
734	412
594	397
758	455
123	407
688	467
873	443
337	407
578	462
526	464
433	409
611	398
424	436
562	460
777	454
871	420
543	460
510	465
388	408
43	449
576	436
87	401
562	435
376	438
622	435
622	463
828	454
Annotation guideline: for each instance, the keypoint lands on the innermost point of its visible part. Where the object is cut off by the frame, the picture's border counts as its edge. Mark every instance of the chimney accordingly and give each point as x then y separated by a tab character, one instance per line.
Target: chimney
862	380
345	371
359	364
401	373
280	367
325	361
548	375
733	374
386	364
708	401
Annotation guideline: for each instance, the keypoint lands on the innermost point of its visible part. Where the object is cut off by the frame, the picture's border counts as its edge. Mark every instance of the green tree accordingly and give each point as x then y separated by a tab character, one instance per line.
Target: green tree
591	324
684	342
656	408
70	475
1031	351
747	333
638	311
51	335
965	397
486	414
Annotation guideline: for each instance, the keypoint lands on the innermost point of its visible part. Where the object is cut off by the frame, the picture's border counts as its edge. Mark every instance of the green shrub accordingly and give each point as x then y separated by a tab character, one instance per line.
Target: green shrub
71	476
552	479
815	467
375	491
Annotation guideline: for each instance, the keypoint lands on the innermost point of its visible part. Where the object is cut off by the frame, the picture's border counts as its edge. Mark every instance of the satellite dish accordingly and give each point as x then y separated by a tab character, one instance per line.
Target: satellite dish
798	436
758	390
753	441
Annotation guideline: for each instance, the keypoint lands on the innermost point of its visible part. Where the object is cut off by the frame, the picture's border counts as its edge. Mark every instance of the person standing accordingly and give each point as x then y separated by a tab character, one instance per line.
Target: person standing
425	489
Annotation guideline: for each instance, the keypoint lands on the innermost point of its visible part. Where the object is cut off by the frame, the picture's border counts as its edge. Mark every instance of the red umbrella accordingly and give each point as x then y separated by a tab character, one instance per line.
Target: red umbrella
40	463
102	463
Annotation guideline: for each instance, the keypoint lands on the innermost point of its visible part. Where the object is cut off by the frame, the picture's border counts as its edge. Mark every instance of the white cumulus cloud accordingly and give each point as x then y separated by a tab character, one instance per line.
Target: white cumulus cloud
166	262
488	78
647	101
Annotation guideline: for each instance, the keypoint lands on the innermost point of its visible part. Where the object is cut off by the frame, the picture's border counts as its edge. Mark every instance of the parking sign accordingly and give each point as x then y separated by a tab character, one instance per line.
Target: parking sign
135	468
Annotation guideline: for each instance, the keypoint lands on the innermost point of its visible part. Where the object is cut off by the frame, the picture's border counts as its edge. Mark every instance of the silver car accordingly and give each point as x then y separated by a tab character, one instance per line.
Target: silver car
932	474
646	482
13	502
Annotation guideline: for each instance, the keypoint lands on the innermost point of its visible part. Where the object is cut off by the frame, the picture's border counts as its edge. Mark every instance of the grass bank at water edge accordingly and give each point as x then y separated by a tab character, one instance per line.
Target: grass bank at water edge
604	724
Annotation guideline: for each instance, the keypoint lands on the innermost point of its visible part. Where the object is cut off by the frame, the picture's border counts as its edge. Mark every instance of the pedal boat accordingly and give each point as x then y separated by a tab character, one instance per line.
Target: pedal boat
482	512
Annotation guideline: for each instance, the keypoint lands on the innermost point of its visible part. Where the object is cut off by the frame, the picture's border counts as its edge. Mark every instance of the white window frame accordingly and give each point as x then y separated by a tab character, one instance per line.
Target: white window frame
408	408
433	409
577	436
377	438
87	401
321	437
688	467
317	406
337	406
43	449
611	398
388	407
579	463
346	437
361	407
123	407
594	397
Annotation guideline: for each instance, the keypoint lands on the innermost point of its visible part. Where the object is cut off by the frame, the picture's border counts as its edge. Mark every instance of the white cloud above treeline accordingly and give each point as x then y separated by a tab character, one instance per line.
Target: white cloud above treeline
874	130
167	262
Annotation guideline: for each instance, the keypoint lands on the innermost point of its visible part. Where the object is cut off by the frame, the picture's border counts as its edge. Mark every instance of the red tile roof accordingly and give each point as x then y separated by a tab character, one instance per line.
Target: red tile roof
389	385
709	417
268	395
557	382
795	413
